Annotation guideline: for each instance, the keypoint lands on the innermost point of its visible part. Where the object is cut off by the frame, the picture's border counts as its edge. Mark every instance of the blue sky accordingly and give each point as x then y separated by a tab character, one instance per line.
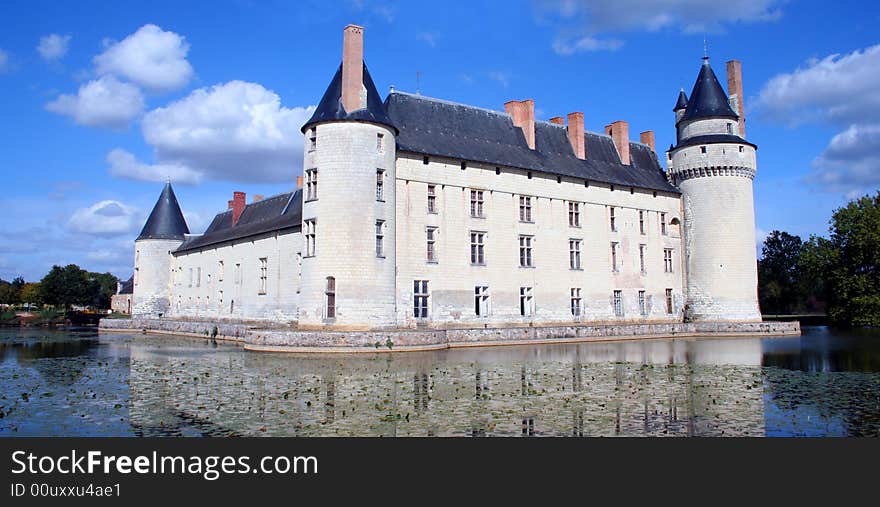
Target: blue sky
101	101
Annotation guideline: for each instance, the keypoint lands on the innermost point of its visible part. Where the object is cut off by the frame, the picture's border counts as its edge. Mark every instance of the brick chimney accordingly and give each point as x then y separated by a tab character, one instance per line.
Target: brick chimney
647	137
353	68
576	134
619	132
237	205
523	114
735	92
557	120
299	182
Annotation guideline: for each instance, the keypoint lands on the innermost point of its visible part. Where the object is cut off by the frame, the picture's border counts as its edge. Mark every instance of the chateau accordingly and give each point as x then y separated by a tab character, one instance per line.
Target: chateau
420	213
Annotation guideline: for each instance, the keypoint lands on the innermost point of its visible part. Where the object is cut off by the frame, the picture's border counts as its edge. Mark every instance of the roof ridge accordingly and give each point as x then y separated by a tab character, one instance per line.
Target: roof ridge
449	102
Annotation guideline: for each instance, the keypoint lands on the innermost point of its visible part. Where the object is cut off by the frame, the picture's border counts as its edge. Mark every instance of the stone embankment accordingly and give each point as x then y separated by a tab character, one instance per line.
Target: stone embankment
255	337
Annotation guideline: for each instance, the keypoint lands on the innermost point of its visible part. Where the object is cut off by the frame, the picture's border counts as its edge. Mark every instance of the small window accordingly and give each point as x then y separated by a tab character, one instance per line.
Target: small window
526	302
642	249
669	301
663	224
643	306
264	274
330	298
432	199
431	244
612	219
614	248
425	160
220	271
574	214
238	273
576	309
559	179
477	248
617	303
311	227
380	237
525	208
313	140
477	204
574	253
198	277
740	149
311	184
380	143
667	260
380	185
641	222
420	299
463	165
730	128
497	170
525	252
481	301
702	149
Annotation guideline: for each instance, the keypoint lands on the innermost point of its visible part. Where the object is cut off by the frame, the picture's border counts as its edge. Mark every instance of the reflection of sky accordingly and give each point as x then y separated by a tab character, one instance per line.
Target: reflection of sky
802	421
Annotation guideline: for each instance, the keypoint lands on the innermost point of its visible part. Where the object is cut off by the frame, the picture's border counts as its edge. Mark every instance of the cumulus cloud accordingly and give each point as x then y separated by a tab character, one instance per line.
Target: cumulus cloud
105	218
53	47
103	102
235	131
151	57
428	38
584	20
841	91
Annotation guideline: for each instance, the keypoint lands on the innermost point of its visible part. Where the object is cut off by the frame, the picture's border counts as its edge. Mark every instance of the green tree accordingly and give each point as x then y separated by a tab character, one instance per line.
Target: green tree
31	294
779	289
853	269
816	258
105	287
67	286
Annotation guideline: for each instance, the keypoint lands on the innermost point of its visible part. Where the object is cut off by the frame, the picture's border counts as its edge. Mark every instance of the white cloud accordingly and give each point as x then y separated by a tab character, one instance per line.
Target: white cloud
235	131
151	57
124	165
841	91
103	102
53	47
4	61
502	77
428	38
583	20
105	218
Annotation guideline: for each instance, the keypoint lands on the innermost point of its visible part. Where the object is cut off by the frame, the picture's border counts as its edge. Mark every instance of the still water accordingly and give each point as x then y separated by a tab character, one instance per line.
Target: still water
824	383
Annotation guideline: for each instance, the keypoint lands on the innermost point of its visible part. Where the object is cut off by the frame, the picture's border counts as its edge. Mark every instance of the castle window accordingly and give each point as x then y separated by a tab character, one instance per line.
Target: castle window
575	302
702	149
477	203
497	170
380	143
330	298
190	277
525	252
642	249
481	301
463	165
432	240
559	179
264	274
525	208
526	302
238	273
380	236
614	246
311	227
669	301
730	128
380	185
574	214
667	260
612	219
641	222
425	160
432	199
219	271
311	184
477	252
313	140
663	224
643	307
198	277
740	149
574	253
529	174
617	303
420	299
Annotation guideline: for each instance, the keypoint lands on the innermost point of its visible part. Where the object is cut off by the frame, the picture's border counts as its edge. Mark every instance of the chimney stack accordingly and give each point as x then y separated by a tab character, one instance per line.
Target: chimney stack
619	132
299	182
237	205
353	68
647	137
557	120
735	92
576	134
523	114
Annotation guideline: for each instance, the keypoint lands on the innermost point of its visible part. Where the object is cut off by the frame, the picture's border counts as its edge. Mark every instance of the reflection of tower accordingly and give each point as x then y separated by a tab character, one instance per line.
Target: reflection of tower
714	167
163	232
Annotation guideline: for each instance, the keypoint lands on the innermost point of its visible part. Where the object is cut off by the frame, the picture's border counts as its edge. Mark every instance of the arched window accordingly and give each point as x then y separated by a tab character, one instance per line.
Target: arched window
330	298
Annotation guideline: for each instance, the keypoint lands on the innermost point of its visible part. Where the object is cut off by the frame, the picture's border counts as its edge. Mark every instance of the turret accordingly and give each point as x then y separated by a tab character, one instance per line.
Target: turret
349	251
680	106
163	232
714	167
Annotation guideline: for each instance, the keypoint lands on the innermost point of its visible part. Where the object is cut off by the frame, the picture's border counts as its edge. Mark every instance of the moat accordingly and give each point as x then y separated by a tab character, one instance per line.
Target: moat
78	383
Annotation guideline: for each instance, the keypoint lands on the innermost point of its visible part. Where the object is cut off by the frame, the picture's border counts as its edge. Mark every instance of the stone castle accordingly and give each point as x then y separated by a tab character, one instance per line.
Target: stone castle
420	213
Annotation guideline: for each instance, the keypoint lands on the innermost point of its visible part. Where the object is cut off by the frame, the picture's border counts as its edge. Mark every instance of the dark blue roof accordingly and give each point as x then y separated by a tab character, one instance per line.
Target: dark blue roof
330	108
708	99
682	102
166	220
276	213
440	128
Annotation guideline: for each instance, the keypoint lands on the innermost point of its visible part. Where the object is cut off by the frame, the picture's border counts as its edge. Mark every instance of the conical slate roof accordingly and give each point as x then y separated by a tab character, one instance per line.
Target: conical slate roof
682	101
166	220
330	108
708	99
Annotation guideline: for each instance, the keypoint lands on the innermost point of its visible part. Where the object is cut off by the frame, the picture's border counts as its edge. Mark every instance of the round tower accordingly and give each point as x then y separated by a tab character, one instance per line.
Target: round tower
349	251
163	232
714	167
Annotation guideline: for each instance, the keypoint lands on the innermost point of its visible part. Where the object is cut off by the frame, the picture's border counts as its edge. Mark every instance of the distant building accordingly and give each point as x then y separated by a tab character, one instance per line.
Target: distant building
419	212
121	301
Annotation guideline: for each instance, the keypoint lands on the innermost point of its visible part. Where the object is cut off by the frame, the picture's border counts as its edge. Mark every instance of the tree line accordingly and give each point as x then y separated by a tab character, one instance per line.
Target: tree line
61	287
839	274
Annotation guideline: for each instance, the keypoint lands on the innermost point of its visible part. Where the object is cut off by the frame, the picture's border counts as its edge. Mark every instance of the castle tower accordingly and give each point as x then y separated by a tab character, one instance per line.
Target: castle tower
163	232
349	251
714	166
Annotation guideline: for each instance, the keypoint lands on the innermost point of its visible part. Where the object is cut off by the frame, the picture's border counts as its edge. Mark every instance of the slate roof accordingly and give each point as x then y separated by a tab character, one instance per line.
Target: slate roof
708	99
330	108
127	287
711	139
166	220
436	127
276	213
682	101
